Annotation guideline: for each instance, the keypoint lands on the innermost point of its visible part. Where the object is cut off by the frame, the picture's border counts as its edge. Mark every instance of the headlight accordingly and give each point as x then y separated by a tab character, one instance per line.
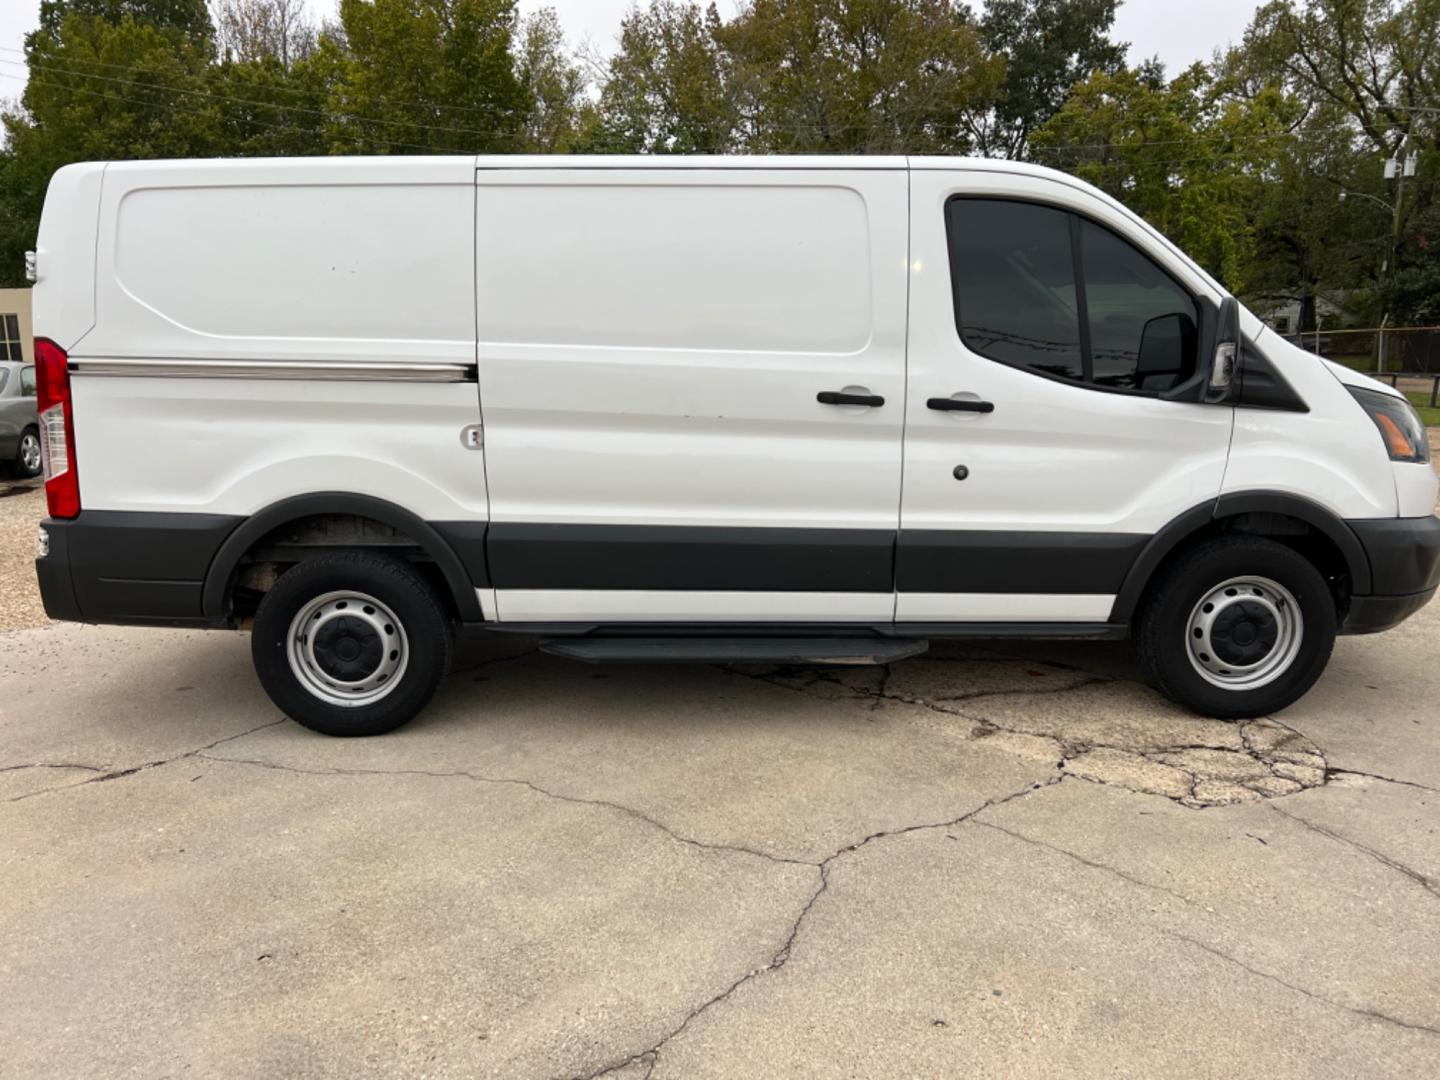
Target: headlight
1398	423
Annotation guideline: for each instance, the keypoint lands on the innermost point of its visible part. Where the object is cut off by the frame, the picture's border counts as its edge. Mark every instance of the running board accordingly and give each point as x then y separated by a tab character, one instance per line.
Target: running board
735	650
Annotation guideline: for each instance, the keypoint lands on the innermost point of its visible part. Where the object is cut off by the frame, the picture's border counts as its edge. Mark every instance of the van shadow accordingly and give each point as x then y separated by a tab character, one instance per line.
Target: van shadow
1079	707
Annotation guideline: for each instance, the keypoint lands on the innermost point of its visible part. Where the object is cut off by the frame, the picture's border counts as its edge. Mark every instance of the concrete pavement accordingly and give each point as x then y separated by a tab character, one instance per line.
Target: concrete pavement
979	863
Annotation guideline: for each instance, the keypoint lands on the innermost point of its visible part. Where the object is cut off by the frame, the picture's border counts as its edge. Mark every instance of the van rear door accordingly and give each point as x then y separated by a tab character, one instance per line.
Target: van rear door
1040	457
692	381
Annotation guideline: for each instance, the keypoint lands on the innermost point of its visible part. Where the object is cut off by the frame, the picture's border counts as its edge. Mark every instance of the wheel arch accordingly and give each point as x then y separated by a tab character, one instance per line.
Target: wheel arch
459	574
1260	513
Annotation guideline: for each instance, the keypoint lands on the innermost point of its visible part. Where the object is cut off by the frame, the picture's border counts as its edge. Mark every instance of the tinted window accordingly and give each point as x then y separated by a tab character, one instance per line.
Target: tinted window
1142	325
1014	281
1017	298
27	381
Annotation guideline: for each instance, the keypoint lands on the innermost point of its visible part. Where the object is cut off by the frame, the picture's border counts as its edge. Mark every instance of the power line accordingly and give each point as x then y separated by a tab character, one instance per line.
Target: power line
172	107
211	95
490	110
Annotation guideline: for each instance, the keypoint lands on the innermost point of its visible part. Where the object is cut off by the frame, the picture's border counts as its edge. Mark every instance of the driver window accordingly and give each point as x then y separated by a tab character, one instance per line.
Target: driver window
1040	288
1142	325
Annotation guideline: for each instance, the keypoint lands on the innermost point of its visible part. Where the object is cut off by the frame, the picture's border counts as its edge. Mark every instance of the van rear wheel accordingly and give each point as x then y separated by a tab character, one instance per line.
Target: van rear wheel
351	644
1237	627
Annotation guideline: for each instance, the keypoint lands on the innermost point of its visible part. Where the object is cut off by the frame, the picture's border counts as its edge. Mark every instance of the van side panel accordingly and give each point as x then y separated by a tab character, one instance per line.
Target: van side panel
63	300
236	446
317	260
334	300
1328	455
263	330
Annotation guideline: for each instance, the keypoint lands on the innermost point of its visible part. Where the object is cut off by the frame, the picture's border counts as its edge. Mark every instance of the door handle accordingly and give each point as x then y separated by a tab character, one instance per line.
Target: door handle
950	404
837	397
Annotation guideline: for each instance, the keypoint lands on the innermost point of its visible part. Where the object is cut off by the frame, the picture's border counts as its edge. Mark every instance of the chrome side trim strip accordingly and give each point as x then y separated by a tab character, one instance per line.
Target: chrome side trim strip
276	369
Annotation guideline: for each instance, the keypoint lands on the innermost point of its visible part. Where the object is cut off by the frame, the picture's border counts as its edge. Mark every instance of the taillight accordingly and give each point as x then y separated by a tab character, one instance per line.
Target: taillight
57	429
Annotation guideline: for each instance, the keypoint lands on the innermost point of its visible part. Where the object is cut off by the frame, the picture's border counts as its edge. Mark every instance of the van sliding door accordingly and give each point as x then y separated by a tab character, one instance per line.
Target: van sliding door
693	383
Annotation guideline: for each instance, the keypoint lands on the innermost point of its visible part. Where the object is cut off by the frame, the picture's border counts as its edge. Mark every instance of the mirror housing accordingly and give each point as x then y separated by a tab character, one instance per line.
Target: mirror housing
1217	361
1224	357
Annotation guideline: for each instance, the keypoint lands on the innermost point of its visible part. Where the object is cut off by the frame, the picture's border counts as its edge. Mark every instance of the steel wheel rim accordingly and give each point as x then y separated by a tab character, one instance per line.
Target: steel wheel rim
1224	653
30	452
343	616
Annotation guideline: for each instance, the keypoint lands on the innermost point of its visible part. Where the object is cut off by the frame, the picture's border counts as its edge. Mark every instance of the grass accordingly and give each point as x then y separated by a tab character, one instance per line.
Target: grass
1421	401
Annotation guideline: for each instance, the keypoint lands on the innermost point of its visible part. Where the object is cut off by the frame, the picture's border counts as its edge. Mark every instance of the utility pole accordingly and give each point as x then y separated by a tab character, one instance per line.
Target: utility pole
1398	168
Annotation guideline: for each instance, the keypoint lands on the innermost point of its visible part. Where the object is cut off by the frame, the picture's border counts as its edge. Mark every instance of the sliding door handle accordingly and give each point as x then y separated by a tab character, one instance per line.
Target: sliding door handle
839	397
950	404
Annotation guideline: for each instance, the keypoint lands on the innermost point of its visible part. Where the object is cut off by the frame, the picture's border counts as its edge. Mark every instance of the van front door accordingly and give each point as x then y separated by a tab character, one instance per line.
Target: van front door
692	382
1039	455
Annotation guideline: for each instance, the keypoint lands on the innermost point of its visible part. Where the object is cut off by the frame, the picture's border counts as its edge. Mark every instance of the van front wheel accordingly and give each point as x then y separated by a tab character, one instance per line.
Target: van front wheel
351	644
1237	627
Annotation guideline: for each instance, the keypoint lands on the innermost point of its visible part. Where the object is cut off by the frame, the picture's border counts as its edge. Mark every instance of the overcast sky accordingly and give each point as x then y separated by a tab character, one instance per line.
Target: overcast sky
1178	32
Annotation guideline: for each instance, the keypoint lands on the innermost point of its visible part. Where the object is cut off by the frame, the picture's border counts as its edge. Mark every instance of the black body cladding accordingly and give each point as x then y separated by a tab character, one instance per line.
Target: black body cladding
177	569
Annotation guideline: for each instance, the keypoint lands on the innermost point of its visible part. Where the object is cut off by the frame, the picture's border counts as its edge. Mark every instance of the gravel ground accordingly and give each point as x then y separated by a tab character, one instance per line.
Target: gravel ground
22	505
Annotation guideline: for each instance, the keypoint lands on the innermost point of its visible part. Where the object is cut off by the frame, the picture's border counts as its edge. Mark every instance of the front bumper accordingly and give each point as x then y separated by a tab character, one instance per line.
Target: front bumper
1404	555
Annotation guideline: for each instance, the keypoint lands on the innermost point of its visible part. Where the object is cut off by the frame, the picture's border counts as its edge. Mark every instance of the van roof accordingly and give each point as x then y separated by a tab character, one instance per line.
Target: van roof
613	161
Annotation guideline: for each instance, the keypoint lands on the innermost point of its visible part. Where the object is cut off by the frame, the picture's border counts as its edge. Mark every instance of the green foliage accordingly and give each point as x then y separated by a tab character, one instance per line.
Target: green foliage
1048	46
669	88
857	76
427	76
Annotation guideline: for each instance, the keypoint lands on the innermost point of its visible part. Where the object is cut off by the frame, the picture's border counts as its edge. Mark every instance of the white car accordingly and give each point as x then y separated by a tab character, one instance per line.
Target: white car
751	409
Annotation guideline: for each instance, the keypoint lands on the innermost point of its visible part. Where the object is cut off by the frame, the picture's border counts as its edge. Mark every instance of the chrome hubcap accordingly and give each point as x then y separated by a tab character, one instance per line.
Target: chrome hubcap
1244	633
30	452
347	649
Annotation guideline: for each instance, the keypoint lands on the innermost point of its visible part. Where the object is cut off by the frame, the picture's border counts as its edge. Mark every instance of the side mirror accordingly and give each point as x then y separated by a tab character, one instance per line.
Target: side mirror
1167	352
1225	359
1217	360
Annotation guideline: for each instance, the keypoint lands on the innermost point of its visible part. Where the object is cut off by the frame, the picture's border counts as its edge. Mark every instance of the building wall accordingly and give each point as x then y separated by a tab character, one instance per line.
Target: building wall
17	302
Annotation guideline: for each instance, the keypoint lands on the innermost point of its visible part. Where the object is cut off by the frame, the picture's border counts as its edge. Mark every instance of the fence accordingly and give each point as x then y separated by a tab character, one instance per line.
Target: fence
1403	349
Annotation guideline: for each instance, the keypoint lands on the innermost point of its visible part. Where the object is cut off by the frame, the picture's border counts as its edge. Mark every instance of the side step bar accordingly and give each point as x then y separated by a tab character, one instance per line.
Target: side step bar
735	650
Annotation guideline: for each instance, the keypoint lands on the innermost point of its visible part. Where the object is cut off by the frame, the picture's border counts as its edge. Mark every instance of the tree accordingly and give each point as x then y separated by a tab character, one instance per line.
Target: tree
107	81
559	117
1049	46
418	76
251	30
797	76
668	88
1374	65
859	76
180	18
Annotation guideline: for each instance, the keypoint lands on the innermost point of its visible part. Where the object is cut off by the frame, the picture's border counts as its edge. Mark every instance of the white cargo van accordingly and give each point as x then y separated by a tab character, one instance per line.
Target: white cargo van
766	409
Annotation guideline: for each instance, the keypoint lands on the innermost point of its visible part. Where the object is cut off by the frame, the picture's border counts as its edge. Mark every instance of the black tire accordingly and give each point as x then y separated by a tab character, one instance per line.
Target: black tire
406	607
29	443
1164	629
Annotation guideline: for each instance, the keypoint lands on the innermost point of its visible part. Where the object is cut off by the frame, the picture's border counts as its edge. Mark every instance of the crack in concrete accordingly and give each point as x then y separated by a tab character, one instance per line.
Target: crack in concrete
52	765
1105	867
1337	771
480	778
1373	1014
118	774
651	1054
1194	774
1425	882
